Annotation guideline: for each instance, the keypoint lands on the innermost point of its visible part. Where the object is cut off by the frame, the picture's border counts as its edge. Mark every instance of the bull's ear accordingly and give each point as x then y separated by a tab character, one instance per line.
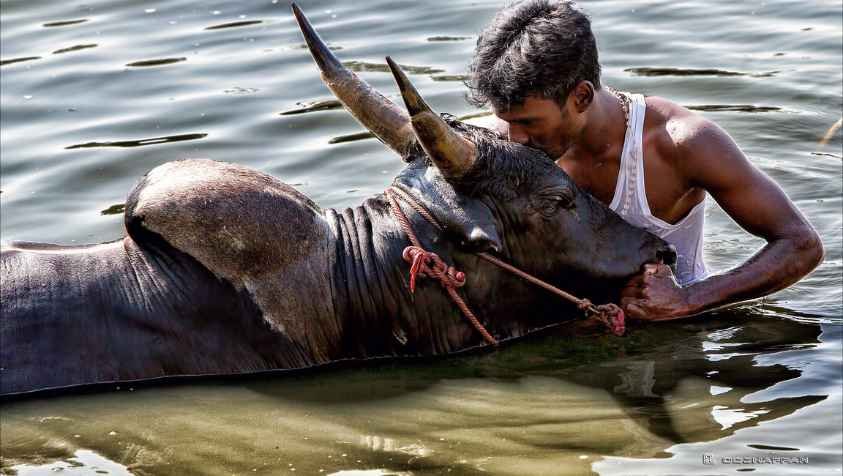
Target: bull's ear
474	228
482	239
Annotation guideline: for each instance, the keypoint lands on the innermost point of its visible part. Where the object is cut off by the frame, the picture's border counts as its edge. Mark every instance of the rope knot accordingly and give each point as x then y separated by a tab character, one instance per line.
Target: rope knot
611	315
430	265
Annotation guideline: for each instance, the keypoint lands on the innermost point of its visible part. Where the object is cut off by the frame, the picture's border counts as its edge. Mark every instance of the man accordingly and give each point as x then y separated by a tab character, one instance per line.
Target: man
537	66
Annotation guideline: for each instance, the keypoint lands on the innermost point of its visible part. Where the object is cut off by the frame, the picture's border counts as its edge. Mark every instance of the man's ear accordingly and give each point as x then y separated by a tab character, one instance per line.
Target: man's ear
583	95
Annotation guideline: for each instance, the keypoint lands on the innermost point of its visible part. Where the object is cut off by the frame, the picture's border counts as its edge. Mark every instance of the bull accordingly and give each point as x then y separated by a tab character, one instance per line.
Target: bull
225	270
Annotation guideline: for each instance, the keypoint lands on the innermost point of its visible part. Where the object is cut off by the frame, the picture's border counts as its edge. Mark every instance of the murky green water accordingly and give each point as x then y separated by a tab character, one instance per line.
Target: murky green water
95	94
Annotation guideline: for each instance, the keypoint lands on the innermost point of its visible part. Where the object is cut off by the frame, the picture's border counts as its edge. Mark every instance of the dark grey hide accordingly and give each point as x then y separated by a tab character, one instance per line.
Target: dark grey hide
226	270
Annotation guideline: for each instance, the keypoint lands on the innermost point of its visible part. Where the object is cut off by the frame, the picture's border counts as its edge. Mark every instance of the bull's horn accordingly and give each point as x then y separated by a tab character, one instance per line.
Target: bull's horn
378	114
451	152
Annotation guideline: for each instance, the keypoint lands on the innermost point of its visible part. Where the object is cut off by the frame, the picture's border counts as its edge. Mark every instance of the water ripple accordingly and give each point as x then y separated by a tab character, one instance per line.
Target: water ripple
681	72
18	60
140	142
733	108
448	38
324	105
451	77
772	448
235	24
351	137
64	23
365	67
74	48
155	62
115	209
303	46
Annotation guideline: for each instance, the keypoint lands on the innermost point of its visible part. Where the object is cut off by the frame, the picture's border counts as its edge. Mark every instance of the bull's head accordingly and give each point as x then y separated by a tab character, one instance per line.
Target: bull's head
492	194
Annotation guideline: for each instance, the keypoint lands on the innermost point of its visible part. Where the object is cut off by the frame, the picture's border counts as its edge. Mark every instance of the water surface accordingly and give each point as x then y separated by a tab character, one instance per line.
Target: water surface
95	94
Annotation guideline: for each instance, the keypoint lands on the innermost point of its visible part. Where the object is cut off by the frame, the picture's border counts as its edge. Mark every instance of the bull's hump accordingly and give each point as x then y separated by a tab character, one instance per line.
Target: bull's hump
256	232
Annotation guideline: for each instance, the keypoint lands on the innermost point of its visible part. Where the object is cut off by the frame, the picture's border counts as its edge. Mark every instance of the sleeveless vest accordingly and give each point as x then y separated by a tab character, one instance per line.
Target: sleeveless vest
630	202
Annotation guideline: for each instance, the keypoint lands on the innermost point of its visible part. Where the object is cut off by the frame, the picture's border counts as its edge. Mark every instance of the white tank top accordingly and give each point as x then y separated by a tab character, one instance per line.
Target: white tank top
630	202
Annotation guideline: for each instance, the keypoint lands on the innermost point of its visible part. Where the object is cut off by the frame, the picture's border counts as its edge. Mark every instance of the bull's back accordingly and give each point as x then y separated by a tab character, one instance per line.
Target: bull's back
54	309
121	312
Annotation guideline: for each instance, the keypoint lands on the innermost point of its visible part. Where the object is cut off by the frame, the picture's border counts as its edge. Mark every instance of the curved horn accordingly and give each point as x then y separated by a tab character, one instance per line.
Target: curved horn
378	114
451	152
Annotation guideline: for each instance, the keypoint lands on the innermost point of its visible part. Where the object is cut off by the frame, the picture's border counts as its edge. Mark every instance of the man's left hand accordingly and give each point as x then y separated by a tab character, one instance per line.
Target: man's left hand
654	295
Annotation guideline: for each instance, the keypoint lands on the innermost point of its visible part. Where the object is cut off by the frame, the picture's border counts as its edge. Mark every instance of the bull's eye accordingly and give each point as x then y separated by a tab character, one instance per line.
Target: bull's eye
550	202
566	199
549	206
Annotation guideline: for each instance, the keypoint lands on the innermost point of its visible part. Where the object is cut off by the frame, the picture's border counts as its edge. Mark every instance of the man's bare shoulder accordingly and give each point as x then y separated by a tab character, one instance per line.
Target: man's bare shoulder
679	123
681	134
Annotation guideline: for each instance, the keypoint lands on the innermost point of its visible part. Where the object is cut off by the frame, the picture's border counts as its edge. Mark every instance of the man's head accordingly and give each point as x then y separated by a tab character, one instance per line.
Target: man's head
537	66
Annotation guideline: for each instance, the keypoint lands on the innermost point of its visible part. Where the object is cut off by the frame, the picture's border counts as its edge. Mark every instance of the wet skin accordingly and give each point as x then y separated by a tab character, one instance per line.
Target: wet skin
686	156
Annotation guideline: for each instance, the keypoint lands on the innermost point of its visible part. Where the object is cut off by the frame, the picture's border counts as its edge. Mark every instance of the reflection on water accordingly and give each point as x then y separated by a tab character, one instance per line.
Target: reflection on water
81	124
556	404
82	462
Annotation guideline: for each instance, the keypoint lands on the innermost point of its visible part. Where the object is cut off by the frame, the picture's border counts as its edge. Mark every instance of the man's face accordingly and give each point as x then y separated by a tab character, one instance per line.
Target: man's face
542	124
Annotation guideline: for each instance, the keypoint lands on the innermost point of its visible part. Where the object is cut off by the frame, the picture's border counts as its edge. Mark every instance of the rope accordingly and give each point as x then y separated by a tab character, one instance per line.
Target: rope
611	315
428	264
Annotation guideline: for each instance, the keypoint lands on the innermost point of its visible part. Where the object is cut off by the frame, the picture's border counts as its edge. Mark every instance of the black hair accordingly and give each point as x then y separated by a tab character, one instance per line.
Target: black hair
535	47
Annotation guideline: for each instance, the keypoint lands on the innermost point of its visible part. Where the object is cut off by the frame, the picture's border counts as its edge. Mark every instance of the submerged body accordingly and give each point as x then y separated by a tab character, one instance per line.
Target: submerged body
227	270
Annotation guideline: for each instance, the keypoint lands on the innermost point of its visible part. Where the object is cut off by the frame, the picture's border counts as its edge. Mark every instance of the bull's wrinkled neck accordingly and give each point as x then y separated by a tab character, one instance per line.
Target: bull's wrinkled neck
370	282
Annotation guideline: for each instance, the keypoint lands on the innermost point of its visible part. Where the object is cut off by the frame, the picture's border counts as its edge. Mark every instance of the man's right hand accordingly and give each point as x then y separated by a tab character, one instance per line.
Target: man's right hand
654	295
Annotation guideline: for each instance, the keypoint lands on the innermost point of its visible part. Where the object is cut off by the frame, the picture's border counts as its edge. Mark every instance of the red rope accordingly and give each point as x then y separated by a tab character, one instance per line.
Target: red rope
430	265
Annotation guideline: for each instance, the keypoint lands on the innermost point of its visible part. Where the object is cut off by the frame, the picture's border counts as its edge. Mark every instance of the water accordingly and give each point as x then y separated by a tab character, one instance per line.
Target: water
104	91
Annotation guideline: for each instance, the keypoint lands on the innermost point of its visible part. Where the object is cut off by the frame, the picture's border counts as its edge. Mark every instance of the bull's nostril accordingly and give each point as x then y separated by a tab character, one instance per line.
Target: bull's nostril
667	255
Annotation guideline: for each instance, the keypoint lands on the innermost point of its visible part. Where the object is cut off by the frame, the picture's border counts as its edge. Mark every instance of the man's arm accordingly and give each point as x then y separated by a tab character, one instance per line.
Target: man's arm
710	159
